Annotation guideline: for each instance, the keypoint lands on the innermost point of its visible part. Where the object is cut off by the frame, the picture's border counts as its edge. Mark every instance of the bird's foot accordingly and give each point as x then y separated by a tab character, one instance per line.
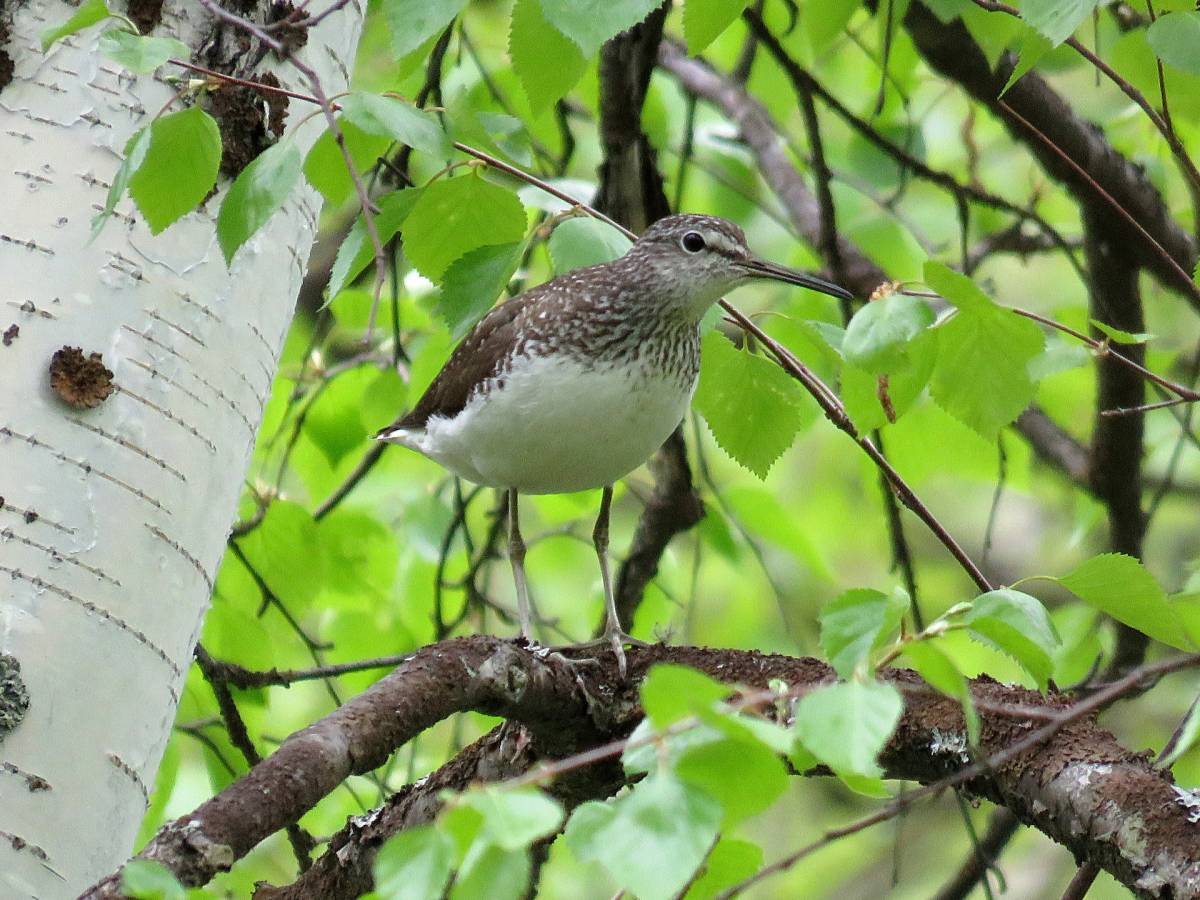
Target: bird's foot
616	639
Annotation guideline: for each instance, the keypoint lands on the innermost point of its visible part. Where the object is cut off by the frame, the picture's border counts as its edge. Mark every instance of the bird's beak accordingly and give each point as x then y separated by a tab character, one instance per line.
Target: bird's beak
760	268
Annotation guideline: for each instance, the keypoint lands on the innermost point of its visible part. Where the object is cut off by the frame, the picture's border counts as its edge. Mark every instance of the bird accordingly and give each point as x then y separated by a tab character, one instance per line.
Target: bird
573	384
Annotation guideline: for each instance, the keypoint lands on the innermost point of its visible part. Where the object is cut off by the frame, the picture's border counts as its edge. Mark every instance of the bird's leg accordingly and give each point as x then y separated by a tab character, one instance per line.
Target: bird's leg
516	557
612	627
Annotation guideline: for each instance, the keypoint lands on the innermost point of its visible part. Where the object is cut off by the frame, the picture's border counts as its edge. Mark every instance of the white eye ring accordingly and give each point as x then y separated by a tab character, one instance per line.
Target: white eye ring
692	242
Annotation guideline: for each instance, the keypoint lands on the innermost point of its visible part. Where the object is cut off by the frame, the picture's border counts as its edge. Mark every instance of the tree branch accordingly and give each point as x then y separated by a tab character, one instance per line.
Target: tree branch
1078	786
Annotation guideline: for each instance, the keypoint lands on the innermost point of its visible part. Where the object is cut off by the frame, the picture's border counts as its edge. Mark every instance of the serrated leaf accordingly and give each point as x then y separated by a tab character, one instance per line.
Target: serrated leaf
648	751
513	818
1016	624
704	20
878	336
584	241
855	623
846	725
956	287
671	692
138	53
1120	586
1118	336
89	13
981	376
861	391
457	215
403	122
256	194
1175	39
589	23
135	154
473	282
1056	20
148	879
413	22
547	62
940	672
356	251
652	840
325	166
414	864
752	407
179	167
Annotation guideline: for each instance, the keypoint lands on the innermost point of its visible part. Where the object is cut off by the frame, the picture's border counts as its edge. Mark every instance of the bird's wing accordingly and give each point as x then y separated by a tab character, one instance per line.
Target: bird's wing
479	356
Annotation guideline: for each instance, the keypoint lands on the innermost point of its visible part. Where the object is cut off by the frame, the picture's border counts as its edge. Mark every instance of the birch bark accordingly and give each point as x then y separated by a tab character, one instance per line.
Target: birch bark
113	519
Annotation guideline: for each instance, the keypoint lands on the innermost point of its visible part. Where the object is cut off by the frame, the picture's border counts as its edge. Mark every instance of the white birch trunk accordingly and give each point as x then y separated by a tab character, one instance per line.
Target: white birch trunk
114	519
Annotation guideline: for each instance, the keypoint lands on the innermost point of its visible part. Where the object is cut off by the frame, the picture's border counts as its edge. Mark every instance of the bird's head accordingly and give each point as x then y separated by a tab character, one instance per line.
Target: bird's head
697	259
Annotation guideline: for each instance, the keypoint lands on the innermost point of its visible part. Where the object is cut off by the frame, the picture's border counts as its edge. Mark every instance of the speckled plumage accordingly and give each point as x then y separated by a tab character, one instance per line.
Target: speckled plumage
575	383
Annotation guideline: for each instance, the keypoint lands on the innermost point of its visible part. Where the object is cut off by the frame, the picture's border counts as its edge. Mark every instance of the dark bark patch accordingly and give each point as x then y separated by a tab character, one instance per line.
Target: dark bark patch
146	14
83	382
10	334
249	121
6	62
292	35
14	696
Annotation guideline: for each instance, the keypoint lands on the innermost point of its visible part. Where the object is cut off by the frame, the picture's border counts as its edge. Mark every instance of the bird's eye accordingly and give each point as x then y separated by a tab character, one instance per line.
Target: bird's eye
693	242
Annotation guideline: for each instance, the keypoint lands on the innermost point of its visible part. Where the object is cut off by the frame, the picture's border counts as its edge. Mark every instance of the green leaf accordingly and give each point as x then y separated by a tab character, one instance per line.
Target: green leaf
846	725
583	241
860	390
940	672
285	550
148	879
138	53
403	122
857	622
672	692
414	864
651	840
474	281
361	551
413	22
1017	624
492	872
1175	39
89	13
648	751
457	215
1056	20
1119	586
513	818
1033	47
753	408
547	63
325	166
1117	336
731	861
256	194
878	336
589	23
761	777
356	251
981	376
704	20
135	154
179	168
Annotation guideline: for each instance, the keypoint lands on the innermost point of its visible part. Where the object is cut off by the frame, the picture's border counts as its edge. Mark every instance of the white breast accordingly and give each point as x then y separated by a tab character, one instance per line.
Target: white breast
556	426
